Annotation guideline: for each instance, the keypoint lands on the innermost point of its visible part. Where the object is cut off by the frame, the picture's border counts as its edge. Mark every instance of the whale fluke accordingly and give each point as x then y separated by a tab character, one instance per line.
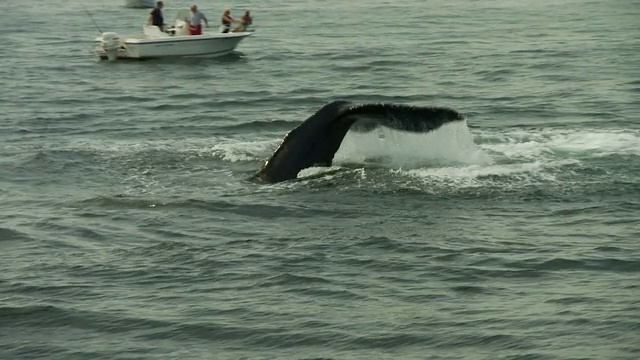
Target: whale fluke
316	140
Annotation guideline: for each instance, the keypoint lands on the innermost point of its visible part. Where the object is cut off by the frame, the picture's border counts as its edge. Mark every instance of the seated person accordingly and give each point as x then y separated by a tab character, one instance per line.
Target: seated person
155	16
245	21
227	20
195	25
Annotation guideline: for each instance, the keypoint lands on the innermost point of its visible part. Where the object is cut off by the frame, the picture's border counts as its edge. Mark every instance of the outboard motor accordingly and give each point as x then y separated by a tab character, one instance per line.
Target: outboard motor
111	45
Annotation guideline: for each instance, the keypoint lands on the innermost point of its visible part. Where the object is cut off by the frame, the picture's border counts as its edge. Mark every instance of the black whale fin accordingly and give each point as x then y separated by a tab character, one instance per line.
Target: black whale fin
402	117
316	140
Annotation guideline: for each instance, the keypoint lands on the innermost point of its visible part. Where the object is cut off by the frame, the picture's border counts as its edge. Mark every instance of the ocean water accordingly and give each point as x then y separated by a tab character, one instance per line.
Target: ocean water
129	228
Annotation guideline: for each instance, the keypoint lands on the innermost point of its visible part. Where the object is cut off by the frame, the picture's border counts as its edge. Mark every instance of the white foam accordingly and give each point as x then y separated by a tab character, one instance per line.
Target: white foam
536	143
524	157
316	171
599	143
509	157
244	150
480	175
227	149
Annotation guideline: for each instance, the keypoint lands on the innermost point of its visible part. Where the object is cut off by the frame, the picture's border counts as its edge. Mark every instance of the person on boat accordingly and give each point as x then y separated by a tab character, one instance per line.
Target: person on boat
195	25
227	20
245	21
155	16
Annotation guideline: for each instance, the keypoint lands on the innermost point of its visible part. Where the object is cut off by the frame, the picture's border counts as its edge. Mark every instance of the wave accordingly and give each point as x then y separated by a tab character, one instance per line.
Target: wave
586	264
258	125
252	209
8	234
20	312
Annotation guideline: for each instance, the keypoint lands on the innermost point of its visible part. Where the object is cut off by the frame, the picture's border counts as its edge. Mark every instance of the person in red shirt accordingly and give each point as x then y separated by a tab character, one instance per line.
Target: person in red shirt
195	25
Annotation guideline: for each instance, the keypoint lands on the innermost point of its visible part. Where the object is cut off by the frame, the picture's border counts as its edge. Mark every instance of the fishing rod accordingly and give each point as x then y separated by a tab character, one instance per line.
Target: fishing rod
91	17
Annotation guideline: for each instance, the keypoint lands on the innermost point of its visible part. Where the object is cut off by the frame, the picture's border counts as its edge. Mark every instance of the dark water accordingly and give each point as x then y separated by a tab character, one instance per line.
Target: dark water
129	230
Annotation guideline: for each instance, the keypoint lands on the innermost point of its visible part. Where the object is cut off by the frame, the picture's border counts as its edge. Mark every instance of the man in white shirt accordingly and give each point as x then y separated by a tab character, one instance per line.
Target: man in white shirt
195	26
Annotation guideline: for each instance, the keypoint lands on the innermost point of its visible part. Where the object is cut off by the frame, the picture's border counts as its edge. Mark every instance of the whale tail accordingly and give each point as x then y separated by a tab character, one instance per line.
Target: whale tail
316	140
402	117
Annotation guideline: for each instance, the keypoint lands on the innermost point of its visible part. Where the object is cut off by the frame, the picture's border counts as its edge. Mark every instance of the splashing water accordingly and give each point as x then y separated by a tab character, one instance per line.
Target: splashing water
452	143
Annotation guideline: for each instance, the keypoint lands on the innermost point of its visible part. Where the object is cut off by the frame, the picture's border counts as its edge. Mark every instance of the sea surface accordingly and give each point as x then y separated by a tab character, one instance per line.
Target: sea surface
130	227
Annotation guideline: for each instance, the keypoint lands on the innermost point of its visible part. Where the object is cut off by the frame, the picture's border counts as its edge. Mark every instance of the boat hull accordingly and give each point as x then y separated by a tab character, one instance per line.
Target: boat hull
212	45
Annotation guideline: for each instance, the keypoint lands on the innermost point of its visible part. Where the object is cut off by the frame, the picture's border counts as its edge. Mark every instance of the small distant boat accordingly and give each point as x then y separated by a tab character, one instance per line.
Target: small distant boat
140	3
175	42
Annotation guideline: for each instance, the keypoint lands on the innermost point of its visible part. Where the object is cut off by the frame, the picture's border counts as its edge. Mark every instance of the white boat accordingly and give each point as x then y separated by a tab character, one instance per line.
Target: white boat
140	3
175	42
